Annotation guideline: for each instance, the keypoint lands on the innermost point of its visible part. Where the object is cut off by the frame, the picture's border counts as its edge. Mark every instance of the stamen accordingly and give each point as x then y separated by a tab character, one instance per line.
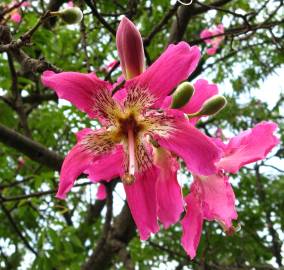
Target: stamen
131	152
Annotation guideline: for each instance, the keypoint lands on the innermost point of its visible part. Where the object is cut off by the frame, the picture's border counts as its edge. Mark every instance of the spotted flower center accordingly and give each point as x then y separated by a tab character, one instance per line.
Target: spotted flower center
128	124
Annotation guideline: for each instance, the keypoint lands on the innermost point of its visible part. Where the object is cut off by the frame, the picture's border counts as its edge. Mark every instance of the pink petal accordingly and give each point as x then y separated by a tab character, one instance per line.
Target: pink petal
77	160
78	88
220	28
141	198
120	96
192	225
70	4
130	49
169	196
218	198
107	167
195	148
16	17
249	146
82	133
172	67
206	33
101	193
211	51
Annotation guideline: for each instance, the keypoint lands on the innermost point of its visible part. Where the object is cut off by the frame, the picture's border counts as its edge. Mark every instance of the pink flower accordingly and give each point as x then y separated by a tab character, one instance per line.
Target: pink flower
137	139
70	3
101	193
212	197
16	17
215	41
16	13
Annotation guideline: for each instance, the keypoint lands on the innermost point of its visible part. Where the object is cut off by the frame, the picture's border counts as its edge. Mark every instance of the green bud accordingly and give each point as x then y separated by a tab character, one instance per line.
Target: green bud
182	95
71	15
211	106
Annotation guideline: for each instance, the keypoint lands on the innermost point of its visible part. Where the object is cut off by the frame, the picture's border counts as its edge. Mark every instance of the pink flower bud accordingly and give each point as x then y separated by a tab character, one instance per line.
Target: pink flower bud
130	49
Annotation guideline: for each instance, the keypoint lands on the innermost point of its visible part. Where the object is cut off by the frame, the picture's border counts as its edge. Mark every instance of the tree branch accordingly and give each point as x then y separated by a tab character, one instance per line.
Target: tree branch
32	149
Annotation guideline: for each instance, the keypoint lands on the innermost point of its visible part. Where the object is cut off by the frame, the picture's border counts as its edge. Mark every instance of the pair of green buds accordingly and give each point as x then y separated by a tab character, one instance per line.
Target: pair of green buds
185	91
69	15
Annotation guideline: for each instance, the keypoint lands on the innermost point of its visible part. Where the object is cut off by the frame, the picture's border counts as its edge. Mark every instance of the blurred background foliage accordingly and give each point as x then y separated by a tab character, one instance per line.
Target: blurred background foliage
39	232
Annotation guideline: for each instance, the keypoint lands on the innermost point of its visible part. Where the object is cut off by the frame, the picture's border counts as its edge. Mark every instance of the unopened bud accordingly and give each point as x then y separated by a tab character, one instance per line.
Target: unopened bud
130	49
71	15
211	106
182	95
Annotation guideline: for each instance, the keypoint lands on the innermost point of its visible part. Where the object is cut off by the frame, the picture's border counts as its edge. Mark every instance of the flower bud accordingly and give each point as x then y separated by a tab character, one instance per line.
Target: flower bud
130	49
71	15
182	95
211	106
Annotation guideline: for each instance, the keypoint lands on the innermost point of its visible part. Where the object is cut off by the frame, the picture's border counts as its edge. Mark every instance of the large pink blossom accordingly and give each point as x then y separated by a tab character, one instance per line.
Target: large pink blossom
212	197
214	42
138	140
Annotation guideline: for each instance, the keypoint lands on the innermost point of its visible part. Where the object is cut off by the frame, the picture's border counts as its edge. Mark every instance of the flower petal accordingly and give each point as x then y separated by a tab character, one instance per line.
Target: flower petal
16	17
192	225
141	198
81	156
172	67
195	148
107	167
211	51
246	147
206	33
169	196
218	198
78	88
77	160
101	192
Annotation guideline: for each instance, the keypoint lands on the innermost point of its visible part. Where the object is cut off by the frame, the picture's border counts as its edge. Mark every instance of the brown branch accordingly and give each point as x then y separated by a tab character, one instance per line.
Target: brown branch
123	230
184	14
26	37
235	14
239	30
28	64
32	149
38	194
8	10
160	25
84	41
99	17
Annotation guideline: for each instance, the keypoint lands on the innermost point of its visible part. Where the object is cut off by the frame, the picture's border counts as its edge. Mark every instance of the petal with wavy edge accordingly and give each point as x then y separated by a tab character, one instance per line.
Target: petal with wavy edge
78	88
195	148
246	148
78	160
141	199
192	225
218	198
169	196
